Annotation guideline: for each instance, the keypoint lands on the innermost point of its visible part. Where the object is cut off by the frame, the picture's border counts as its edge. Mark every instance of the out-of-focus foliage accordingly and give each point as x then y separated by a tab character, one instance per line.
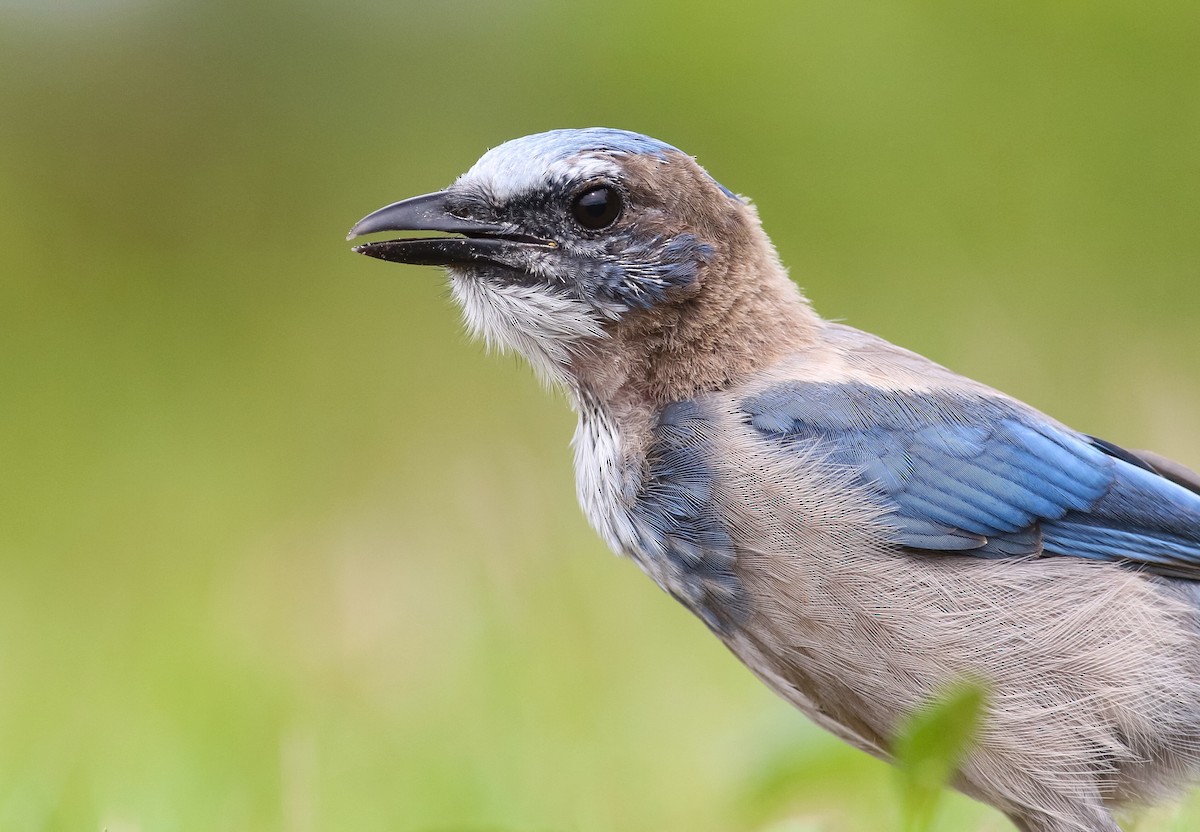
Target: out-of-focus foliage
929	747
280	549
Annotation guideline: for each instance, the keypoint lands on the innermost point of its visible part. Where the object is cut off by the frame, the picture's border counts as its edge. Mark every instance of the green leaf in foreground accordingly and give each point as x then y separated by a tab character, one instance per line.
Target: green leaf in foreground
929	746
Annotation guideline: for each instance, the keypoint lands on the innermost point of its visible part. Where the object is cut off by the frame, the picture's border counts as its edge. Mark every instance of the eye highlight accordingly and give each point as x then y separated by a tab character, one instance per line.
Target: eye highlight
597	207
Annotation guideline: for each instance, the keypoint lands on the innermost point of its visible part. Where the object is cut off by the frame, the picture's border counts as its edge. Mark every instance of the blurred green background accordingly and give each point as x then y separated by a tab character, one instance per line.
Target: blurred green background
281	550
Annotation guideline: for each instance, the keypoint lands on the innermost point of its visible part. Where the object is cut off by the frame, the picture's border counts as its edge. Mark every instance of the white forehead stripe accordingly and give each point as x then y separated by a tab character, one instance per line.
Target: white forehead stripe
509	175
559	156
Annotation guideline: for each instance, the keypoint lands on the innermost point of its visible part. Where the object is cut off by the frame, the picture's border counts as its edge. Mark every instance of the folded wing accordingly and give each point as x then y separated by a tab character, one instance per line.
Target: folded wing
987	477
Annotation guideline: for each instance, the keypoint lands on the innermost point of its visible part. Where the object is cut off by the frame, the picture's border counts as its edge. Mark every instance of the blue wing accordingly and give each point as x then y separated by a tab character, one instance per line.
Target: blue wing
985	477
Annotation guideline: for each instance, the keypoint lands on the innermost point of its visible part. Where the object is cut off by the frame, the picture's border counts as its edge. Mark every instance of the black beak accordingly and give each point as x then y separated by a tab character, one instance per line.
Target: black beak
482	241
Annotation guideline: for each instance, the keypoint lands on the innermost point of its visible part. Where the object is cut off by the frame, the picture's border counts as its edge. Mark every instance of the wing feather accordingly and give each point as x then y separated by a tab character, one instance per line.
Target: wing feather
988	477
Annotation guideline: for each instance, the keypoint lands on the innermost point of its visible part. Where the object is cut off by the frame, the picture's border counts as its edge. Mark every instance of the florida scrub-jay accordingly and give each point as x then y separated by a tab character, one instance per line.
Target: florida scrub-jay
859	525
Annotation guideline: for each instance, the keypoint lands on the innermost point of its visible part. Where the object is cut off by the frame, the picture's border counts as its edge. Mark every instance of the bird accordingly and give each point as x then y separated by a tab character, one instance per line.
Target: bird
859	525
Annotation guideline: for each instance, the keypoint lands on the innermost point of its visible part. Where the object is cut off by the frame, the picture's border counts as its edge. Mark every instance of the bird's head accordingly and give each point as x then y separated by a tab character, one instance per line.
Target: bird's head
567	236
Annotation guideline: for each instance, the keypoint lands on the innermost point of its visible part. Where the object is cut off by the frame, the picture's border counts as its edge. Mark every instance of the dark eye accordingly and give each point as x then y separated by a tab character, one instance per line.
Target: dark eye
597	207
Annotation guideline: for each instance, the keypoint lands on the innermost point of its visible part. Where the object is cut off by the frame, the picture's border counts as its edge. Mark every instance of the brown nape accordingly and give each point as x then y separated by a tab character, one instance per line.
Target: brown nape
742	314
